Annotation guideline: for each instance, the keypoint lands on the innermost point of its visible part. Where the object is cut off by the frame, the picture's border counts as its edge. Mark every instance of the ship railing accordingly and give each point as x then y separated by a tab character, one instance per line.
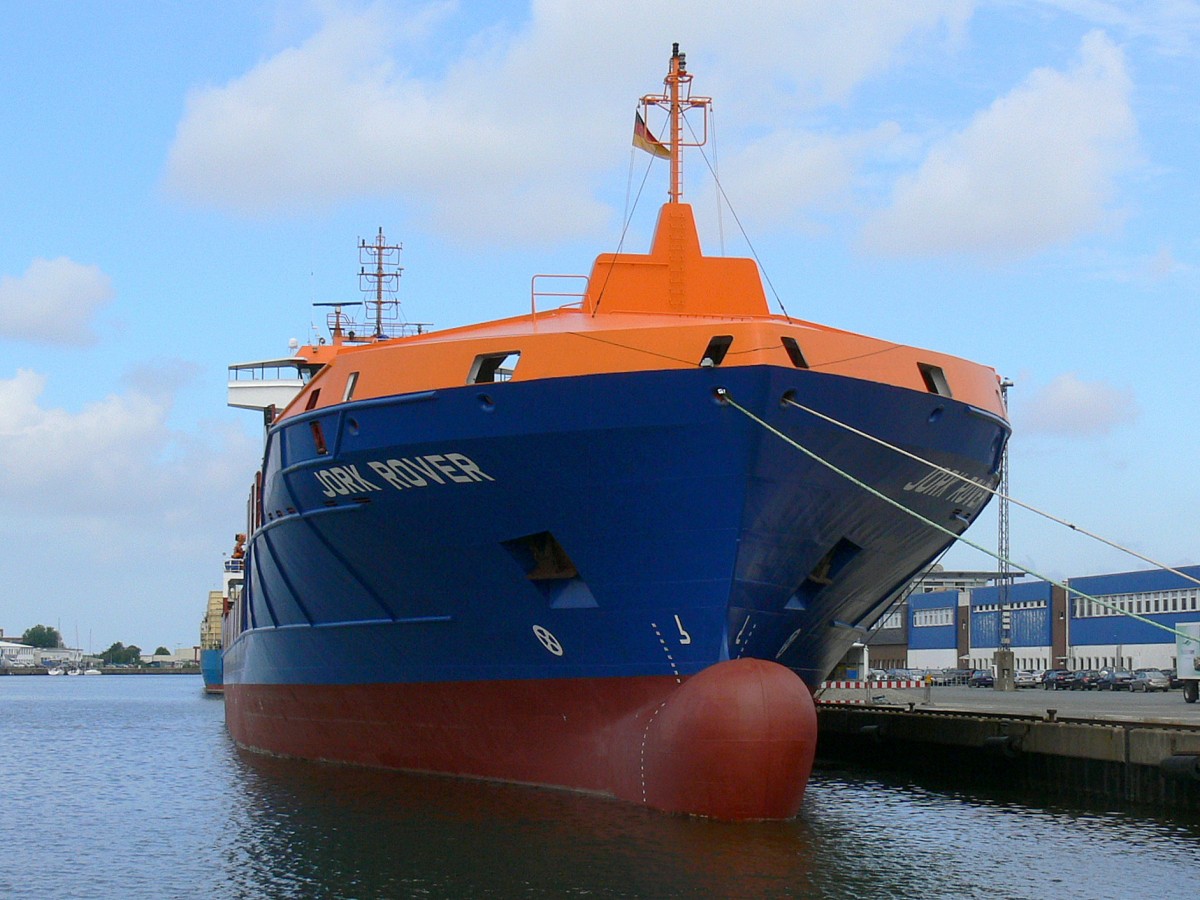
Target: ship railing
235	565
557	287
364	333
269	370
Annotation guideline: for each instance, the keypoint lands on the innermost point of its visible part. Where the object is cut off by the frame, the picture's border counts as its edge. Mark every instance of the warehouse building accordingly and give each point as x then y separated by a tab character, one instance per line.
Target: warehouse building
962	626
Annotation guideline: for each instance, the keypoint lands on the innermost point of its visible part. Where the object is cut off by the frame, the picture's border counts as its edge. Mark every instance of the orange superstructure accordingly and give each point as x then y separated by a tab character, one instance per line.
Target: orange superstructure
644	311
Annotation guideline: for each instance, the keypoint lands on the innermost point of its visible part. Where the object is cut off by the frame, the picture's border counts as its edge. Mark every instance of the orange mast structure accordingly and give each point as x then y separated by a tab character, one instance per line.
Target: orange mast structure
675	100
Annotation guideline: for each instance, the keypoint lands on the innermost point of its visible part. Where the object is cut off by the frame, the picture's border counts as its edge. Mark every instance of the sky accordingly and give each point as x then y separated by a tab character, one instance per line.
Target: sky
1013	182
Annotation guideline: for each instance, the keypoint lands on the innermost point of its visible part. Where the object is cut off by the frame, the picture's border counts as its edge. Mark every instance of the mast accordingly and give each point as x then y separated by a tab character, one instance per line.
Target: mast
675	77
677	99
382	278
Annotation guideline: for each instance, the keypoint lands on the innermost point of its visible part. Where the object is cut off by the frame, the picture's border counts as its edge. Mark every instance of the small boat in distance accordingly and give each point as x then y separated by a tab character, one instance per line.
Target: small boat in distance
610	546
213	623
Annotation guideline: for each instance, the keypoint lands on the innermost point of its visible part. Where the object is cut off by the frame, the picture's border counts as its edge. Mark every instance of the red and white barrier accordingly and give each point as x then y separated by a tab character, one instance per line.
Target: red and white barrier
871	685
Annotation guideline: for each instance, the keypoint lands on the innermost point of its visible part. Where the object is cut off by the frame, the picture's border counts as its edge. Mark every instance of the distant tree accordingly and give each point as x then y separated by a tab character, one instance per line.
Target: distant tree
162	651
42	636
120	655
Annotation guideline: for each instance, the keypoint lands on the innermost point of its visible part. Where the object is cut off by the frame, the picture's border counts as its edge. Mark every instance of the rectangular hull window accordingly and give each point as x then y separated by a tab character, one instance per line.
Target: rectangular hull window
935	380
490	367
714	353
795	354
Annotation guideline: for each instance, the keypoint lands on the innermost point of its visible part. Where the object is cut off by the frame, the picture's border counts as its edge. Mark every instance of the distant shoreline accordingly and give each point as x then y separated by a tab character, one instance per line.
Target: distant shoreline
106	670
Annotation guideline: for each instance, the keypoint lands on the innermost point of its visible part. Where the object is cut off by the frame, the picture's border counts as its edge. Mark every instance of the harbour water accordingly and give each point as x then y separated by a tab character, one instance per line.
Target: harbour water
130	786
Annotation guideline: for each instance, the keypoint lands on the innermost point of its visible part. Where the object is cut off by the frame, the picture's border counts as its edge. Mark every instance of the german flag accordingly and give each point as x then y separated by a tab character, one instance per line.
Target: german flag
643	139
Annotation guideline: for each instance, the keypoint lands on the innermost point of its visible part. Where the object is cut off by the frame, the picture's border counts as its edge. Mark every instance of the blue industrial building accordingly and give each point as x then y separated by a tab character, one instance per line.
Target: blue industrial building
962	628
1102	634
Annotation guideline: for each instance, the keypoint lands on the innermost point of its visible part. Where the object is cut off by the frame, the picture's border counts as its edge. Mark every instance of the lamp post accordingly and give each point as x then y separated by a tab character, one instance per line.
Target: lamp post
1004	655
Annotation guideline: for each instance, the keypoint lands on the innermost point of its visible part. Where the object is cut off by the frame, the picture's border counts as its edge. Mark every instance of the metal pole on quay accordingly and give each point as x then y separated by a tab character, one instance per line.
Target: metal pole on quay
1004	656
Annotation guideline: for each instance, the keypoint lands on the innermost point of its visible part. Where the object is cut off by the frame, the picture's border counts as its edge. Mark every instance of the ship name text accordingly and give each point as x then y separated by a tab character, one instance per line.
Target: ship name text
957	488
401	474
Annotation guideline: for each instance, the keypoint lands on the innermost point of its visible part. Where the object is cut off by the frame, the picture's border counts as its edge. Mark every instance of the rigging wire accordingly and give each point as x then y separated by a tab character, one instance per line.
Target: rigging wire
625	227
741	228
725	396
712	117
993	491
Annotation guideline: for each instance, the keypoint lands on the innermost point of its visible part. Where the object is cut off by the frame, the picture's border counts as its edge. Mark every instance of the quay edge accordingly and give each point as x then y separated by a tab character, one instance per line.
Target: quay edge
1118	760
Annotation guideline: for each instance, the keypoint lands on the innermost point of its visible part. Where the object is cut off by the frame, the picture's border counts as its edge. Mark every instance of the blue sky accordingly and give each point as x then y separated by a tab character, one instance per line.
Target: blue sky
1012	182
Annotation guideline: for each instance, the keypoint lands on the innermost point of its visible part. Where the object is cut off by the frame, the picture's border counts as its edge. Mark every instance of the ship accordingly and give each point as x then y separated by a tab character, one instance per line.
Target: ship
212	626
612	544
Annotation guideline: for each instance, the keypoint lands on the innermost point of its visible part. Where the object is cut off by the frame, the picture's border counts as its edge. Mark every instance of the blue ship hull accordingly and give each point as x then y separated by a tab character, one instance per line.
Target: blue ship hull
404	552
608	583
211	671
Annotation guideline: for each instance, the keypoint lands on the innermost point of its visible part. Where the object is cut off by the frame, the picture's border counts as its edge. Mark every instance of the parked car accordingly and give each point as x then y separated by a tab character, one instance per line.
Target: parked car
1148	680
1115	680
1172	677
1025	679
1085	680
1056	679
982	678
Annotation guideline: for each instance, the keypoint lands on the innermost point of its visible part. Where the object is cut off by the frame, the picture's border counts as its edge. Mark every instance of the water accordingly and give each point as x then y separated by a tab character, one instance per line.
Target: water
130	787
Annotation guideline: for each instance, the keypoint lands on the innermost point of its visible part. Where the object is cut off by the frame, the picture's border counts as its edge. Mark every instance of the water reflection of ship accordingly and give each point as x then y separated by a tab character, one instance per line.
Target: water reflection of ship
330	827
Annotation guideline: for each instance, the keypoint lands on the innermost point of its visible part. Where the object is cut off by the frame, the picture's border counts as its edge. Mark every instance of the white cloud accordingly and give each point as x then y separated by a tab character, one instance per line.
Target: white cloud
506	138
1071	407
1035	169
115	459
114	521
53	302
1171	25
788	174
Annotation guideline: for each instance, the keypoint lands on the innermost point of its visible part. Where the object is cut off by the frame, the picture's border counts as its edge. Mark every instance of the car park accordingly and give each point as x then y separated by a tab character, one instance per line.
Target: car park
1148	680
1115	680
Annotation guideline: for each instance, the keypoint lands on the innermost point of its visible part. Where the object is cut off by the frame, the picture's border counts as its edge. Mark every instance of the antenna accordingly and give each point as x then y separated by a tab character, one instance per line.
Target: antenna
380	276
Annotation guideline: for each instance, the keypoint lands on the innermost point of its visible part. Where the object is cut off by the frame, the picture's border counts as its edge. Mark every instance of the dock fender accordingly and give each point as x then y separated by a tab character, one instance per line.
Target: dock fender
1181	767
1007	745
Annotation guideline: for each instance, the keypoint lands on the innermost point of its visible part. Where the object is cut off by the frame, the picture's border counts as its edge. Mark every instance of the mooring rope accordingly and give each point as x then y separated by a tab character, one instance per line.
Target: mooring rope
724	395
993	491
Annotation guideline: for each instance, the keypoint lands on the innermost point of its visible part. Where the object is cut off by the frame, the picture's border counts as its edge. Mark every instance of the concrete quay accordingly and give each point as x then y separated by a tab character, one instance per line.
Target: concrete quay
1139	748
